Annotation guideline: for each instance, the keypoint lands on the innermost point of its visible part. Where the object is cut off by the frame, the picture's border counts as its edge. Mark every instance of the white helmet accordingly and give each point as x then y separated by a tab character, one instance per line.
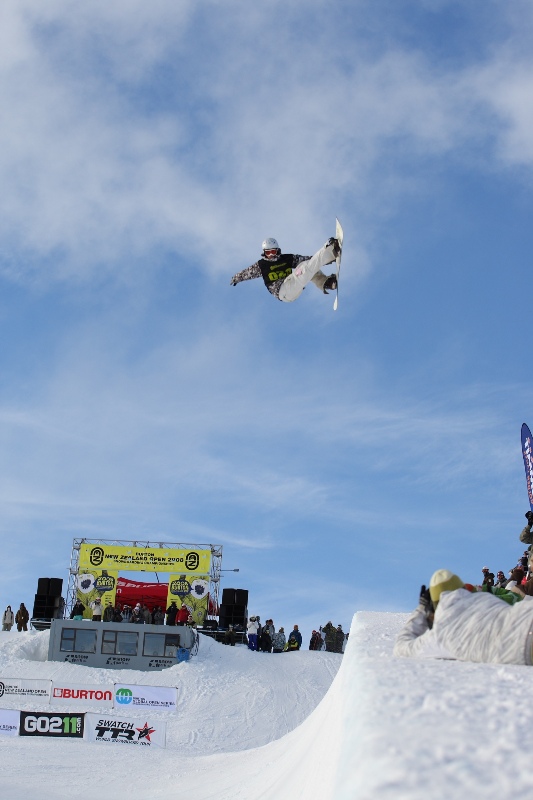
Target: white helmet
271	249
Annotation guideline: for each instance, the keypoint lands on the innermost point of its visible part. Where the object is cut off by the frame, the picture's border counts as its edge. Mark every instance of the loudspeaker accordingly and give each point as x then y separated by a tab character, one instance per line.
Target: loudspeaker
43	586
56	587
241	597
232	615
228	597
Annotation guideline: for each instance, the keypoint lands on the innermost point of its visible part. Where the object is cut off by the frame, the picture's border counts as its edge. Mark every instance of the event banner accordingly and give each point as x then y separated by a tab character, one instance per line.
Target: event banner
55	725
527	455
157	698
113	730
25	687
82	694
191	591
143	559
93	583
9	722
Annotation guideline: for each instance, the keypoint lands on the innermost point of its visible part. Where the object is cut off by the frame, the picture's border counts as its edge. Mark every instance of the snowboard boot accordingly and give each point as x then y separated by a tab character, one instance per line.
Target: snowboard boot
330	283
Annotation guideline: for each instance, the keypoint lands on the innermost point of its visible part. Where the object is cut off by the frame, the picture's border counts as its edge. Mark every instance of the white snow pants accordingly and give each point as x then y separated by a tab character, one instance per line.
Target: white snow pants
295	283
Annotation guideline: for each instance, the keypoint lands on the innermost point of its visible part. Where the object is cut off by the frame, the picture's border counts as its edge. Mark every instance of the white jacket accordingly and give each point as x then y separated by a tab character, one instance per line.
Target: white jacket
8	618
471	627
252	627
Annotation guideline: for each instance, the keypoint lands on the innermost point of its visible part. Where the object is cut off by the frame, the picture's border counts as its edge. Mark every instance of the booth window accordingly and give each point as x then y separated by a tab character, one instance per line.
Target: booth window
119	643
161	644
76	640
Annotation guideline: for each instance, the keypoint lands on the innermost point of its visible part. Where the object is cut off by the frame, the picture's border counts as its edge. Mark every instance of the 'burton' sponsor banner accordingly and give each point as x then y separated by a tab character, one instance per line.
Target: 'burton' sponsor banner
55	725
117	730
9	722
24	687
155	698
148	559
82	694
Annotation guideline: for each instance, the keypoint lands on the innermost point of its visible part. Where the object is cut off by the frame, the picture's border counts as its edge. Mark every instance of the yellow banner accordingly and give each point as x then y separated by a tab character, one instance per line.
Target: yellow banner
191	591
95	583
144	559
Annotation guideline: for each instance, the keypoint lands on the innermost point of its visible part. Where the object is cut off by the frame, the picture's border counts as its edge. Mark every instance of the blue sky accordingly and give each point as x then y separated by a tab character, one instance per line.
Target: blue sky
146	150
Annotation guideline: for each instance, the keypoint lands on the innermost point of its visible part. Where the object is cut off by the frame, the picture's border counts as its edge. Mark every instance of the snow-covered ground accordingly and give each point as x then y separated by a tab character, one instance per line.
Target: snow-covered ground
295	725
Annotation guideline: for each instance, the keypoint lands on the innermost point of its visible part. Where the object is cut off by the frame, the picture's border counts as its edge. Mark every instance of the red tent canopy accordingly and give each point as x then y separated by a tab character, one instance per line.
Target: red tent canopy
132	592
151	594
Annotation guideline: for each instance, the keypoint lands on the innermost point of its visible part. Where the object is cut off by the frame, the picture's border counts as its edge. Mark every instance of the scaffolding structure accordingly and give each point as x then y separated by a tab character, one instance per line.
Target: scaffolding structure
214	575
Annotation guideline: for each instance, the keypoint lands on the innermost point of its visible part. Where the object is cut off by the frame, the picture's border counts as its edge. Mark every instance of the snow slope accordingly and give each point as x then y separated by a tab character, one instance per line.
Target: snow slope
253	726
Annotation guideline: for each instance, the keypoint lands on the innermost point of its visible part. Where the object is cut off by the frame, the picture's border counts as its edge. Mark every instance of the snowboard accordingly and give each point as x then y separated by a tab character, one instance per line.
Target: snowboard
527	454
339	235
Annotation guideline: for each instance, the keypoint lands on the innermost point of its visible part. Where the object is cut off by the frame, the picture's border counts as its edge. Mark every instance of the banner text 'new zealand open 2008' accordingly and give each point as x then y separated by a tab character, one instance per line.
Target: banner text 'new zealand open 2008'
146	559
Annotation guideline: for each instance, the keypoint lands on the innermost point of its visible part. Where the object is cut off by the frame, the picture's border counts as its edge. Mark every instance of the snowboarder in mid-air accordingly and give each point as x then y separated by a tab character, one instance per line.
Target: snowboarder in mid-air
286	275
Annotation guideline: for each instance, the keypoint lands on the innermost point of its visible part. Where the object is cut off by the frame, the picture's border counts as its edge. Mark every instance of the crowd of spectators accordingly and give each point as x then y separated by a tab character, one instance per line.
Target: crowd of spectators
139	614
265	638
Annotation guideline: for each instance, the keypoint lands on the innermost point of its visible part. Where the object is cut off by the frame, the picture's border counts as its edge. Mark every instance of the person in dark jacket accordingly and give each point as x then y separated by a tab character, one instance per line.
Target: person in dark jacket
77	611
158	618
108	613
296	636
22	618
339	639
171	612
117	614
316	641
329	635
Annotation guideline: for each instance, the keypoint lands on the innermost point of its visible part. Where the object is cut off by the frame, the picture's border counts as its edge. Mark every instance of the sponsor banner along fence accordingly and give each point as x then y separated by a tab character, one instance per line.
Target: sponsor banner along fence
158	698
55	725
82	694
9	722
118	730
99	728
25	687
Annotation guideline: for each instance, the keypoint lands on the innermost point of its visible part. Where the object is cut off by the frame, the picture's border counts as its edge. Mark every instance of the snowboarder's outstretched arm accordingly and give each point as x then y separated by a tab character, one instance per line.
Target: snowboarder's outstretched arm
246	274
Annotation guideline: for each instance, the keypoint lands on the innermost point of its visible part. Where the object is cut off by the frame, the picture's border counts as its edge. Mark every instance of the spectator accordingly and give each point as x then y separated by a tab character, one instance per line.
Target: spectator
501	580
108	612
265	642
329	636
339	639
229	636
77	611
488	577
279	641
22	618
526	537
316	641
252	628
147	614
158	618
96	606
295	636
117	616
8	619
137	616
171	612
183	615
126	613
269	625
467	625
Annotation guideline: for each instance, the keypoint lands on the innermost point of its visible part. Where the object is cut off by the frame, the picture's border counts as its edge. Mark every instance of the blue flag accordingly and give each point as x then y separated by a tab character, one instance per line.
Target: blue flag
527	452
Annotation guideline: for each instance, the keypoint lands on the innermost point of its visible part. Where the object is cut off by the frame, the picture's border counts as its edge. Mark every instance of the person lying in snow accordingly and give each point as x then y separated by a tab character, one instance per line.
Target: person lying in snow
286	276
458	621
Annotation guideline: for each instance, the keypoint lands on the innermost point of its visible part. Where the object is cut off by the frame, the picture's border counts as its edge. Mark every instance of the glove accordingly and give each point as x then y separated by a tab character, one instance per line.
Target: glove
427	605
529	517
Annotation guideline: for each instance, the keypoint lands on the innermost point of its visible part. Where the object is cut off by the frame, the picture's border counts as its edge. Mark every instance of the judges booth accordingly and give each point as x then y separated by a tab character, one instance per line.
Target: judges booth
119	645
